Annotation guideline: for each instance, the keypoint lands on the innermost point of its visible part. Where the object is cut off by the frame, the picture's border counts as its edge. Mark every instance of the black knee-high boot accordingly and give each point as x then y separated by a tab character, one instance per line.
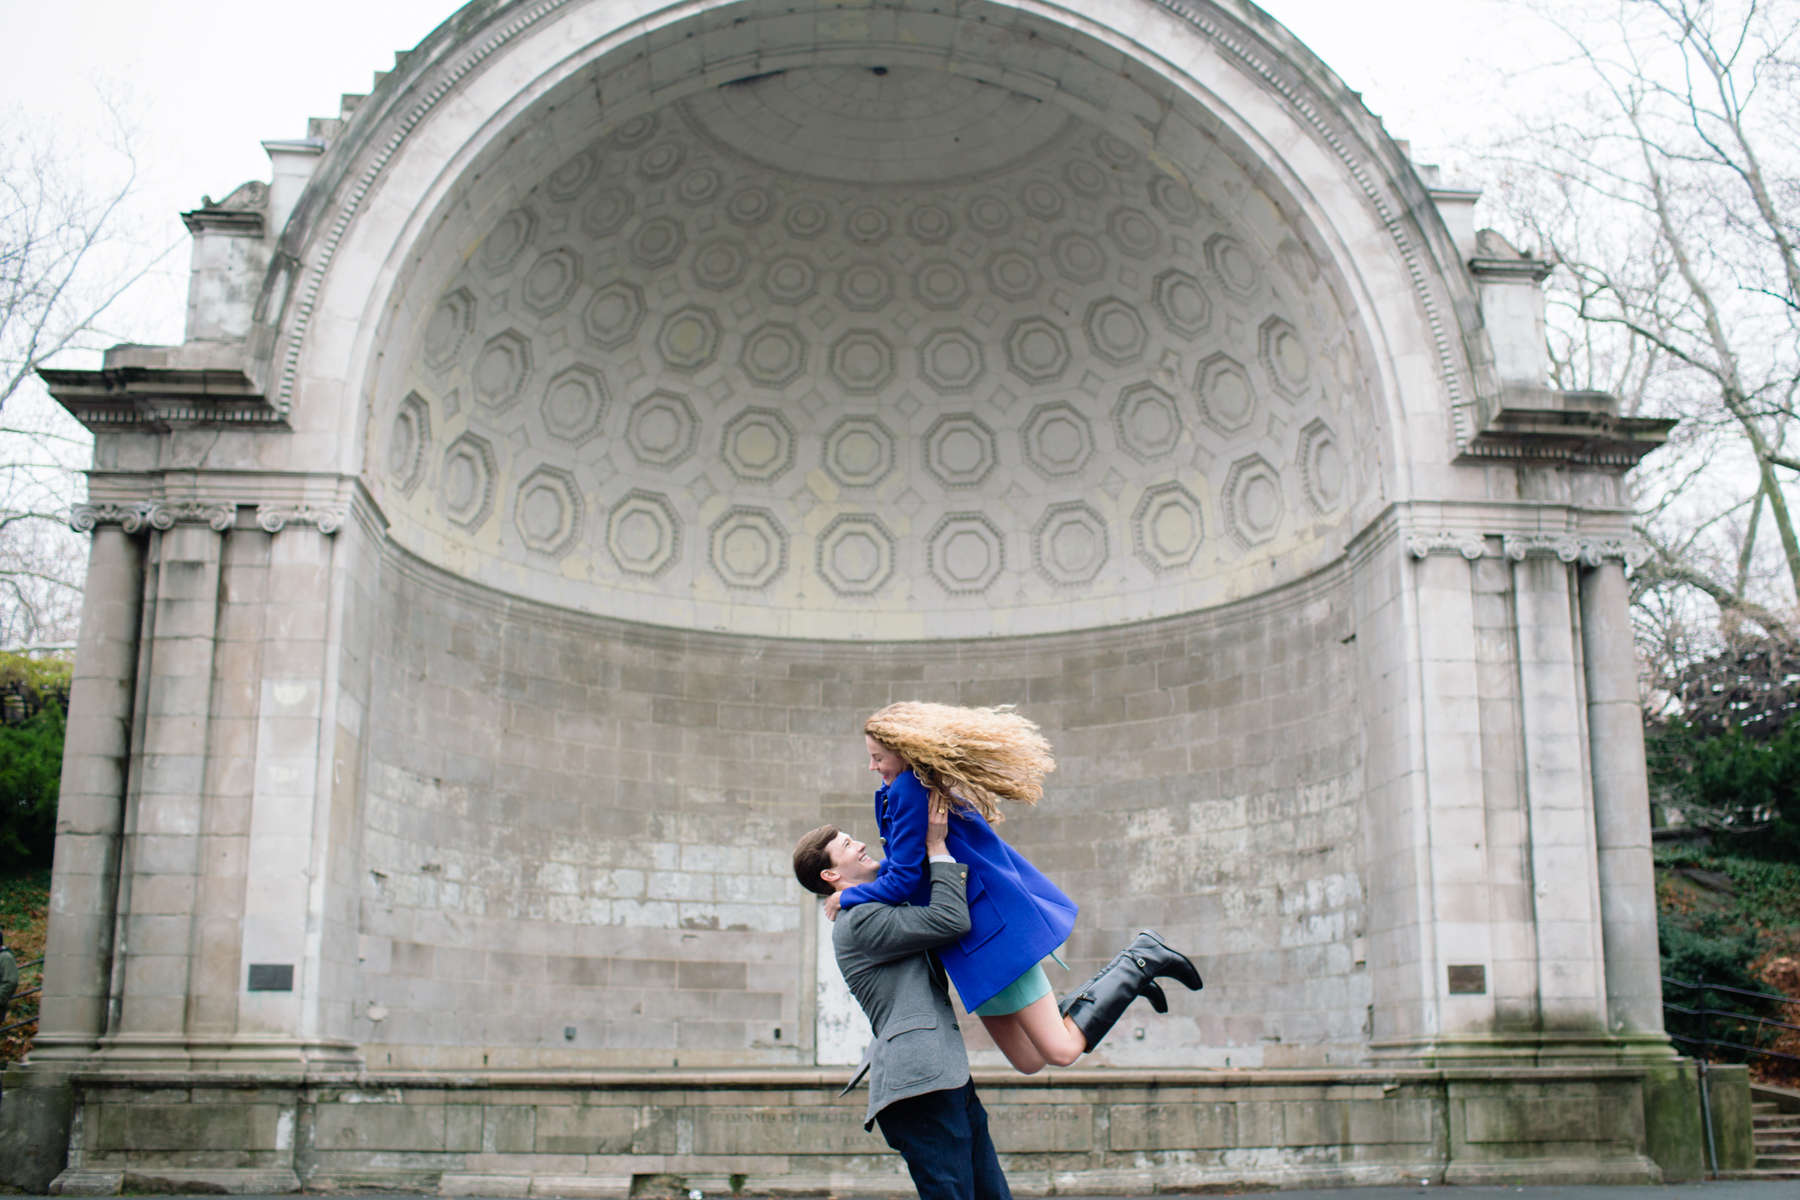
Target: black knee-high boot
1097	1005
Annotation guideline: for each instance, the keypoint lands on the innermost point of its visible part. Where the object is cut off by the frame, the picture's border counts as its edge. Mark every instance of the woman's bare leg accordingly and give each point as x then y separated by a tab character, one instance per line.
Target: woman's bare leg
1014	1044
1035	1036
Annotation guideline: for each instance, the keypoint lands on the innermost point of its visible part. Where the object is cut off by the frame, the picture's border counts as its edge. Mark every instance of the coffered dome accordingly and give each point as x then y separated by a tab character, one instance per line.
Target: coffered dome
850	352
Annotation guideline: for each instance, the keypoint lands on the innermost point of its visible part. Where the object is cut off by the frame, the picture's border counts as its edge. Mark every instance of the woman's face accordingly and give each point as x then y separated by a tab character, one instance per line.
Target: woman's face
882	761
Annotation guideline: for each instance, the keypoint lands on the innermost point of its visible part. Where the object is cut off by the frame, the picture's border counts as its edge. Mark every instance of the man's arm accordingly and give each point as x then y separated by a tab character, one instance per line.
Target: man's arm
888	932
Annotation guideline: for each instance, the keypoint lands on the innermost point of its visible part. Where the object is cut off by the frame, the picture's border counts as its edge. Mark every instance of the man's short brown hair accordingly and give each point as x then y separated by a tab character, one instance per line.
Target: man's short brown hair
812	855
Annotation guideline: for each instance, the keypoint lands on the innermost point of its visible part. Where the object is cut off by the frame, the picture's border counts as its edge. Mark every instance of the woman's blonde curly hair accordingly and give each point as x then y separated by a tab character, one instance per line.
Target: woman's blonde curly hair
973	756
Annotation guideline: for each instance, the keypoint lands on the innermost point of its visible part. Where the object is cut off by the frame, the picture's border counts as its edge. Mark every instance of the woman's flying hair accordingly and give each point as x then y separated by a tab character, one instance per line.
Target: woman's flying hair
967	756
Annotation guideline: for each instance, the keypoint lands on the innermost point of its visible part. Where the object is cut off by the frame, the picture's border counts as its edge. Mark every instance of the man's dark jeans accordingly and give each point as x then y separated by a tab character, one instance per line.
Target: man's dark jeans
943	1136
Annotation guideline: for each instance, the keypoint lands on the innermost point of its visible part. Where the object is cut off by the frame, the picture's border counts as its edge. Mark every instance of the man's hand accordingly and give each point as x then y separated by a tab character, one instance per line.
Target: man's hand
937	829
831	907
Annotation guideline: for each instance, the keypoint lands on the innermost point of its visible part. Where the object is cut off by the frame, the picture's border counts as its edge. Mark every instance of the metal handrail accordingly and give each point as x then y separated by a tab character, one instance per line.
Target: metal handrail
1706	1014
1719	987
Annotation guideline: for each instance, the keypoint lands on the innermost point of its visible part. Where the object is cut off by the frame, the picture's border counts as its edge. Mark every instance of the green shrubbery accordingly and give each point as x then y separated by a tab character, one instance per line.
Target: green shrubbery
1720	918
31	745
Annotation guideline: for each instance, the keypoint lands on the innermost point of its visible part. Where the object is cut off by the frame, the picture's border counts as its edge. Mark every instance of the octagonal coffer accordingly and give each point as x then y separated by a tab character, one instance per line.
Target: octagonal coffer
643	533
1166	527
965	553
1253	501
859	451
748	547
856	554
1069	543
575	403
548	511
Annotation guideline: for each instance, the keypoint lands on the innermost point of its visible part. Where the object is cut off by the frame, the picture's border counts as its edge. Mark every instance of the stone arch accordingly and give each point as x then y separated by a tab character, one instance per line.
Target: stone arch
1198	85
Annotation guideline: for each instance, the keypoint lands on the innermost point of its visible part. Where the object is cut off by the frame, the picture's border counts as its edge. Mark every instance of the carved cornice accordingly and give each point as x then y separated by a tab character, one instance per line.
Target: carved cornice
1564	547
159	399
135	516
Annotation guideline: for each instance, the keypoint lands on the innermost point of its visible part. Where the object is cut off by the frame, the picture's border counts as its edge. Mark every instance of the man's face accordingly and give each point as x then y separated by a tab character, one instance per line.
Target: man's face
849	864
882	761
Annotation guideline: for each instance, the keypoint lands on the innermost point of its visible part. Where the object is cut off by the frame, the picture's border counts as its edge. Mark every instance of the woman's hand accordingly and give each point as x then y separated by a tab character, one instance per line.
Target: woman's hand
937	829
831	906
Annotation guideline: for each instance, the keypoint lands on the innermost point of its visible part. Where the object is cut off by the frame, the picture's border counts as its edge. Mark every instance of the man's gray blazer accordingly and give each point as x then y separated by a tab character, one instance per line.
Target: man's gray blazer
881	950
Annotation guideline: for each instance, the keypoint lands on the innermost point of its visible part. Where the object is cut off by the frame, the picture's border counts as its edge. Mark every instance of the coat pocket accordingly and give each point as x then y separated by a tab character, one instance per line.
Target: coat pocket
909	1051
985	919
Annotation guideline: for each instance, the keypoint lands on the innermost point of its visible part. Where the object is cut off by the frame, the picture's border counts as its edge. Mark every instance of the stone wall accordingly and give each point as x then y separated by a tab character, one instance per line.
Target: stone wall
786	1132
576	824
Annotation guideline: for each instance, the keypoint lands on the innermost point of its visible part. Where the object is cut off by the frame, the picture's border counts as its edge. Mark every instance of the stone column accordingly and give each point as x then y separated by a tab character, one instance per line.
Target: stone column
90	812
1621	805
157	923
1571	983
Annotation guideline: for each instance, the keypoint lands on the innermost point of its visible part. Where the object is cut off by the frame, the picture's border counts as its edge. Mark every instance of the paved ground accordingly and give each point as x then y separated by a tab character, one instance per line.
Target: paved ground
1759	1189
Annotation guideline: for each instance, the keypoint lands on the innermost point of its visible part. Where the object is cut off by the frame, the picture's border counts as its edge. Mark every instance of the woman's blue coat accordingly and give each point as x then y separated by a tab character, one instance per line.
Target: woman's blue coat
1016	915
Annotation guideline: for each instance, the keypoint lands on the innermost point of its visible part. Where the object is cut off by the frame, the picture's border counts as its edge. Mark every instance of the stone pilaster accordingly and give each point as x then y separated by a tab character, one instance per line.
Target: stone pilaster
163	821
1621	806
1571	983
78	959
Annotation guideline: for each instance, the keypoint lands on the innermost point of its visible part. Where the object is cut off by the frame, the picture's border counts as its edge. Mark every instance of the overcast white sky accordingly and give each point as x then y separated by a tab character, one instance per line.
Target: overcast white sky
209	80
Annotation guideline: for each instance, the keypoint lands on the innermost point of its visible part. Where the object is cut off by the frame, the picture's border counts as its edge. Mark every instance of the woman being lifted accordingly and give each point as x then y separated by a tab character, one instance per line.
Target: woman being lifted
968	761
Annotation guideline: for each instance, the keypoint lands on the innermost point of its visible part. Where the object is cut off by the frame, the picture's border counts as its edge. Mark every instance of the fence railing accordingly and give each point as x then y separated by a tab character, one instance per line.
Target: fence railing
1707	1015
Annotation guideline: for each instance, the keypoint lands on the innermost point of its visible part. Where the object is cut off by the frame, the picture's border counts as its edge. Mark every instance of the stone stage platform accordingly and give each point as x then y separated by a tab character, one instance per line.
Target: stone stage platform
787	1132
